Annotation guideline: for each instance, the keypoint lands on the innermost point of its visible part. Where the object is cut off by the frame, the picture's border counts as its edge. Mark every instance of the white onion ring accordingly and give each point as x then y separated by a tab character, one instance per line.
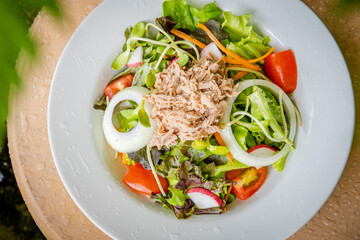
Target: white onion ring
137	137
228	136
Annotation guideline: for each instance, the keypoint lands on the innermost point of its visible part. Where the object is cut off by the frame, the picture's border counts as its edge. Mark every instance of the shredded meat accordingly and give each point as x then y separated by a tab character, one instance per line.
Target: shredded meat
188	104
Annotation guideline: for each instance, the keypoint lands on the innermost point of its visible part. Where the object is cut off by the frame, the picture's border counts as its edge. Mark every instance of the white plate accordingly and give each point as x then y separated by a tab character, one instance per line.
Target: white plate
286	201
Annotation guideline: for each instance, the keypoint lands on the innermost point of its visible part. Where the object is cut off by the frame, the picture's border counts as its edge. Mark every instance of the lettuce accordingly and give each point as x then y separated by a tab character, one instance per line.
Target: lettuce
265	107
244	41
177	197
221	170
188	17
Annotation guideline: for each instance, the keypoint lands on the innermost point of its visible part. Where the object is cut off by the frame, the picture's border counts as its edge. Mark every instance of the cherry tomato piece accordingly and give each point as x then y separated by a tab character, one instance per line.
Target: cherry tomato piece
143	181
247	181
281	68
118	84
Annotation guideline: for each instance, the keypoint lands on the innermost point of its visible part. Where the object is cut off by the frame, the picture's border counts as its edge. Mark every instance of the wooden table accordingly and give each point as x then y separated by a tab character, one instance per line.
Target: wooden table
52	208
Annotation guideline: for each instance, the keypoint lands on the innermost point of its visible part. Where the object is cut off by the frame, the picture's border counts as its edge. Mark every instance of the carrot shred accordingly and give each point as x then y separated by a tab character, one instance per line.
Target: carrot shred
227	196
225	50
123	158
187	37
231	60
239	75
262	57
221	143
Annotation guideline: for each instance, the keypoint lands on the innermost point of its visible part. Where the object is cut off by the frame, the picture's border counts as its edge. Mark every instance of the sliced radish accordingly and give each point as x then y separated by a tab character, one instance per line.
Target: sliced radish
262	150
204	198
172	61
136	58
212	51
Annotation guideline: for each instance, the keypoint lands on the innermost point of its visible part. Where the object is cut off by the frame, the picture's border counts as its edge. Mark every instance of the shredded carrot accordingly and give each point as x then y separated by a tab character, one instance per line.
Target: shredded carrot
221	143
187	37
262	57
123	158
227	51
239	75
227	196
231	60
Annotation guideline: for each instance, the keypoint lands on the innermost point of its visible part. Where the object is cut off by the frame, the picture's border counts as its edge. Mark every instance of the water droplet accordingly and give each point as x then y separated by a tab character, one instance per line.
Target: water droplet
217	229
71	166
109	188
174	236
244	234
279	200
95	215
81	158
76	190
63	124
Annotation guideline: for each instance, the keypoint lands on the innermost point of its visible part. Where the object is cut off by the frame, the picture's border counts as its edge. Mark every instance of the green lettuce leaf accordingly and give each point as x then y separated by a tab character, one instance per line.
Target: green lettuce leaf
280	164
244	41
177	197
180	12
221	170
188	17
236	26
264	107
210	11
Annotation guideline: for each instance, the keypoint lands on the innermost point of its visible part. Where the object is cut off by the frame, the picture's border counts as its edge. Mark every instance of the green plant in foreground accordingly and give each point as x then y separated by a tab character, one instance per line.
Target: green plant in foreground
16	16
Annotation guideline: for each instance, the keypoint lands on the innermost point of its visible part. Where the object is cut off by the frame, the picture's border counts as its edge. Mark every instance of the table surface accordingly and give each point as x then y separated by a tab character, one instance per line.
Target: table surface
51	206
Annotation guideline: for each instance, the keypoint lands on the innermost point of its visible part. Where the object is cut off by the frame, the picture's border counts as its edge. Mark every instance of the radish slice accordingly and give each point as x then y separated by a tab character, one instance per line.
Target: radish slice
211	51
204	198
228	136
136	58
136	138
262	151
172	61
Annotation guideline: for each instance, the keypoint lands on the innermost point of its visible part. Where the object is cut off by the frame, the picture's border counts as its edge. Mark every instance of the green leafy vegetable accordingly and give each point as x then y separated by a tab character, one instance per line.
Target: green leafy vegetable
140	156
209	11
240	134
125	124
188	17
214	27
138	30
244	41
121	60
221	170
177	197
126	112
143	116
265	108
280	164
180	12
183	59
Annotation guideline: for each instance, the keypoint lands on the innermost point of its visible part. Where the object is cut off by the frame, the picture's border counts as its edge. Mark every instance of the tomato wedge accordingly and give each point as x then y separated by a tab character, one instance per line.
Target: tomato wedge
247	181
143	181
118	84
281	68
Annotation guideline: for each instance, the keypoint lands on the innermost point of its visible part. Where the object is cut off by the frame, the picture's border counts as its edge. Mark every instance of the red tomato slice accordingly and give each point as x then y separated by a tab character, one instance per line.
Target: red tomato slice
118	84
143	181
247	181
281	68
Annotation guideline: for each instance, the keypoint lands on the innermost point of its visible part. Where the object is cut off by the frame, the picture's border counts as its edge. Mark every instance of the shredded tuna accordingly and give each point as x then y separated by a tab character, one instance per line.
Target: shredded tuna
188	104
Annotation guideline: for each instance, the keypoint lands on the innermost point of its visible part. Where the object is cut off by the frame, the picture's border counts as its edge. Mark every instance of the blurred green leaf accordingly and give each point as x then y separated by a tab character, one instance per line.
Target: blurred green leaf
16	16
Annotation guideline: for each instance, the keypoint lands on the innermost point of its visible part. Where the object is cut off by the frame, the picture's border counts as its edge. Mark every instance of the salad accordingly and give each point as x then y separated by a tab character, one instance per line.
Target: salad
199	108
